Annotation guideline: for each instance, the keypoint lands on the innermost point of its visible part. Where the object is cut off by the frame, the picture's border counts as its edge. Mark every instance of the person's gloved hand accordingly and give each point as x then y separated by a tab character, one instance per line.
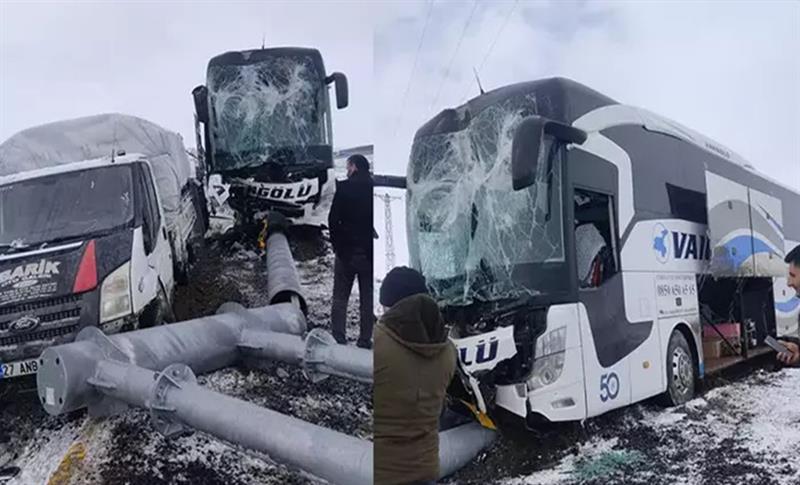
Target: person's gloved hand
793	356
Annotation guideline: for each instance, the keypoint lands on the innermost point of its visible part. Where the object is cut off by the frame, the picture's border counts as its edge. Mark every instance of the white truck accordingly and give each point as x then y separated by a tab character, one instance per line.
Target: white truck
98	219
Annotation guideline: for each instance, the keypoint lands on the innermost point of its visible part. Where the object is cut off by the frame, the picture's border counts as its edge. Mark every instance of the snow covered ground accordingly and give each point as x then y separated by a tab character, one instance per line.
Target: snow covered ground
127	450
742	432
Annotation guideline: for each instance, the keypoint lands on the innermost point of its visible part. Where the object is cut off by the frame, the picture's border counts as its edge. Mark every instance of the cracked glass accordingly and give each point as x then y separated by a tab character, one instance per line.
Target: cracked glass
265	109
469	232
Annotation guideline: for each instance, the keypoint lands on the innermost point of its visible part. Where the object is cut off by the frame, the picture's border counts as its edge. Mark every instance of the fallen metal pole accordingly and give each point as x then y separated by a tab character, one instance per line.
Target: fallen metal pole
175	401
283	283
204	344
319	354
459	445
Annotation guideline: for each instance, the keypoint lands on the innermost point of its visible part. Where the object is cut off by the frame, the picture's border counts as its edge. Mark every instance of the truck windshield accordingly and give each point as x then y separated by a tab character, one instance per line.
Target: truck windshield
65	206
468	231
272	110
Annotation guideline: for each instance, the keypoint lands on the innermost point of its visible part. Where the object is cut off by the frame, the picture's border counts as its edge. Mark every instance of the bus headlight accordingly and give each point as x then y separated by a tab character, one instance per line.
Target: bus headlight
549	362
115	294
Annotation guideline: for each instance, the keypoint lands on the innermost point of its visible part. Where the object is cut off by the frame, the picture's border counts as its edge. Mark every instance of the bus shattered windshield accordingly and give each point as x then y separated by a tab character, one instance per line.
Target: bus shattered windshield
474	237
271	110
51	209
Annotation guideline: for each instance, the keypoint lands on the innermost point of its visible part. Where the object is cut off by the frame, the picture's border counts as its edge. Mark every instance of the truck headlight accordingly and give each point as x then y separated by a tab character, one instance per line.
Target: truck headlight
115	294
549	362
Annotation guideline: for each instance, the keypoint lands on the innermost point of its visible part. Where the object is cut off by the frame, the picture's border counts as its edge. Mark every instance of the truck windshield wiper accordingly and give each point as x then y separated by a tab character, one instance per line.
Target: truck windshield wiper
6	248
73	238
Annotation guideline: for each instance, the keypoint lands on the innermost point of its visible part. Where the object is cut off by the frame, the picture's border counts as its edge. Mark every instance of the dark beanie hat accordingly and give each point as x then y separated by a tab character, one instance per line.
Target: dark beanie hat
399	283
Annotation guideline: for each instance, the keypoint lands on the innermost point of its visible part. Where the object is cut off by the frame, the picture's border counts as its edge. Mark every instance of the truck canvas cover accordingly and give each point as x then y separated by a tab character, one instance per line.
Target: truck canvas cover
98	136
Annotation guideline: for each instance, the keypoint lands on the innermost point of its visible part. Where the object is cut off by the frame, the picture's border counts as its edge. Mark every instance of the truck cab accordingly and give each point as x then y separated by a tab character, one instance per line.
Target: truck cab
89	235
82	244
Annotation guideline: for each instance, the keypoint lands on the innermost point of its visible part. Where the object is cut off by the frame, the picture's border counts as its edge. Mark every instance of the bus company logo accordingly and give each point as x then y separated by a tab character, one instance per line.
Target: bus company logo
482	354
679	245
661	243
26	275
284	192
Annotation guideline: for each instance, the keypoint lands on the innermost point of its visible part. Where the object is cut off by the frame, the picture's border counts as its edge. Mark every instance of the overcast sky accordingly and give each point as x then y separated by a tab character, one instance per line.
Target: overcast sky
61	60
730	70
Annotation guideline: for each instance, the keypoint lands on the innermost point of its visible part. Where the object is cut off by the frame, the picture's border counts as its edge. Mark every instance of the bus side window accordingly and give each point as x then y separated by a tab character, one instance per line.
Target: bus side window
595	238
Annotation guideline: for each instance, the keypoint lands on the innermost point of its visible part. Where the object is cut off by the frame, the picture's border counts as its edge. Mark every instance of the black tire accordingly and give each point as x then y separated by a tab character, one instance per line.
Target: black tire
158	312
681	371
181	272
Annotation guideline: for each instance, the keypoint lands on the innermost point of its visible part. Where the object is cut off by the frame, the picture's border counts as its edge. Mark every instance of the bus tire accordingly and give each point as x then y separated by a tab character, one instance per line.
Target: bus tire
681	372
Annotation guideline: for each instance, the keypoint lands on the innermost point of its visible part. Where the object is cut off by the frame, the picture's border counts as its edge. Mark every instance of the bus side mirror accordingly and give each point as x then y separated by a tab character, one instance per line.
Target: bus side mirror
342	96
200	95
528	146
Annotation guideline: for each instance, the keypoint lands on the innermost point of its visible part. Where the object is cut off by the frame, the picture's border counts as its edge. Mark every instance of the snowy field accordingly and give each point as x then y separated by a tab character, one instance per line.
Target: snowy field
127	450
743	432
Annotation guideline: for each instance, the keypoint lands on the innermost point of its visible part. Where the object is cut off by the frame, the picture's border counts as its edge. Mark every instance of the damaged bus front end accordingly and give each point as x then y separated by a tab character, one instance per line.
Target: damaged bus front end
266	129
493	242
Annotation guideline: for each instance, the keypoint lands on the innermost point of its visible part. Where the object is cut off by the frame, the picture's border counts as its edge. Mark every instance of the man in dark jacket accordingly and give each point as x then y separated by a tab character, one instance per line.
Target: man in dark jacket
793	281
414	363
351	230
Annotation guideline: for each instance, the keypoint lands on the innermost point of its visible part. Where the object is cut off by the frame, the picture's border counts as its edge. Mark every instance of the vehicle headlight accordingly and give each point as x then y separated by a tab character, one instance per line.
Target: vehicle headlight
549	362
115	294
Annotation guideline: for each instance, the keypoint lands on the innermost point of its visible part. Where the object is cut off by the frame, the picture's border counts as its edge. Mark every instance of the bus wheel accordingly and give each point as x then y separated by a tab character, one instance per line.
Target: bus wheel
680	371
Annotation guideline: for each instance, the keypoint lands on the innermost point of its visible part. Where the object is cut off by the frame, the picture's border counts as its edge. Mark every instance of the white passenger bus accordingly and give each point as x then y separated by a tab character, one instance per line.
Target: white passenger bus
581	250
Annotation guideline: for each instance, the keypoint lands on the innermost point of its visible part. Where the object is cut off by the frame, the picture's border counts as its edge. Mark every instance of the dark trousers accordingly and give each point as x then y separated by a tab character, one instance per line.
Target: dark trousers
344	272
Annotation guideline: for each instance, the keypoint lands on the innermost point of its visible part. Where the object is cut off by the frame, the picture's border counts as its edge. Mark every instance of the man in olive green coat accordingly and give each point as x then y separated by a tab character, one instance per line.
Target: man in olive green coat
414	363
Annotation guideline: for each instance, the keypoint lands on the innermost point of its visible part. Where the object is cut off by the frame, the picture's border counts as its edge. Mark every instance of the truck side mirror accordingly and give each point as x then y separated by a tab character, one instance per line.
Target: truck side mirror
528	145
342	96
200	95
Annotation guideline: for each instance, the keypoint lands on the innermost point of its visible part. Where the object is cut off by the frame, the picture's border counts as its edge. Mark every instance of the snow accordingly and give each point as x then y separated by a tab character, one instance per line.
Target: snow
567	466
743	432
41	457
126	448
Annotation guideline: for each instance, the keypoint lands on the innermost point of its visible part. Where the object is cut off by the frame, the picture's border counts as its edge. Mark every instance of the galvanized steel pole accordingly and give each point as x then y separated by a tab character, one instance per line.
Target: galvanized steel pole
283	283
319	354
175	401
204	344
459	445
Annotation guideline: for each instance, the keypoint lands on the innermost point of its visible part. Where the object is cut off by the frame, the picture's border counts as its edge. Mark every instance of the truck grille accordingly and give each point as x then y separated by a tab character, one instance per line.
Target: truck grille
57	317
49	333
37	305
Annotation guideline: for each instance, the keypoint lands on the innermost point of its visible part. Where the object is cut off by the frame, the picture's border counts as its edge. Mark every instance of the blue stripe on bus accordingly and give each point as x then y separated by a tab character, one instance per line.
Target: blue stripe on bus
741	246
788	306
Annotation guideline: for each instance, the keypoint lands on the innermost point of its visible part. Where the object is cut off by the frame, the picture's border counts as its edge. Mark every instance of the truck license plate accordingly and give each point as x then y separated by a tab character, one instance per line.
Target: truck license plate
17	369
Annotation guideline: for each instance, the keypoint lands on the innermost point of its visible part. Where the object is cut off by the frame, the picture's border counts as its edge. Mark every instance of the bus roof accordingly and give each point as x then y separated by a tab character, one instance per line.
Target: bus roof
232	58
568	101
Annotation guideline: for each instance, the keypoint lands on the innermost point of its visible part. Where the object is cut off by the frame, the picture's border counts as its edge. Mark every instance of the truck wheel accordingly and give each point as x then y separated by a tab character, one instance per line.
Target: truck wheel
181	271
680	371
158	312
